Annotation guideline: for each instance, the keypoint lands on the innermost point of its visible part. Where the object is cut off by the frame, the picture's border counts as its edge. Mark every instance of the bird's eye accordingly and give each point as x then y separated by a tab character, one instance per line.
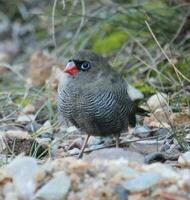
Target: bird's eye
85	66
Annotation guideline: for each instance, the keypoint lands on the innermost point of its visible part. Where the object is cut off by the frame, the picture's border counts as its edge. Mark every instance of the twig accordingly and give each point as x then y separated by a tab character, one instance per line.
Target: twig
113	145
169	60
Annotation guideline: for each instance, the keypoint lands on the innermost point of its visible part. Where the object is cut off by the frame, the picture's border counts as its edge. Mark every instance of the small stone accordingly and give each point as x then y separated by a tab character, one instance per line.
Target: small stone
9	192
56	189
179	119
93	141
46	129
127	172
29	109
74	151
22	170
44	142
25	118
2	142
187	136
32	126
142	182
158	100
17	134
185	177
71	129
142	131
77	143
184	159
115	154
166	172
4	177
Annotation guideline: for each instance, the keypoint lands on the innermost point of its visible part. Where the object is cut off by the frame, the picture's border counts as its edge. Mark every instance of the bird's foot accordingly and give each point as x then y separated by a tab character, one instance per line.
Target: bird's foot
83	147
117	141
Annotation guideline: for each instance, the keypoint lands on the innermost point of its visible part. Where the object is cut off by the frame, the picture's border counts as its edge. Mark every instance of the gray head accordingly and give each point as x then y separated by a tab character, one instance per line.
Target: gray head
86	63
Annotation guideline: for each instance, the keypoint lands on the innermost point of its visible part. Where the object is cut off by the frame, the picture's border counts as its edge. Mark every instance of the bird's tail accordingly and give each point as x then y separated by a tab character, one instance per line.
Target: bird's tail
141	111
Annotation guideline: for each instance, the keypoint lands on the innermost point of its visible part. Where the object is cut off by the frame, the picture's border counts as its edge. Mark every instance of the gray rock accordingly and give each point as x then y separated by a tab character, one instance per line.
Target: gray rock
127	172
23	170
158	100
184	159
142	131
142	182
56	189
93	141
25	118
115	154
74	151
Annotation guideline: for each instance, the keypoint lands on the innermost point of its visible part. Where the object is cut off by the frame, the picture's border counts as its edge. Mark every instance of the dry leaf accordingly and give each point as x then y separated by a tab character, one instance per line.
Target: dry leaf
40	67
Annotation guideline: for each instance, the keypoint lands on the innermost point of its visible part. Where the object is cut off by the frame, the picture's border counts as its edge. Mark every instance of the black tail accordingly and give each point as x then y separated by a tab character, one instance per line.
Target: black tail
142	112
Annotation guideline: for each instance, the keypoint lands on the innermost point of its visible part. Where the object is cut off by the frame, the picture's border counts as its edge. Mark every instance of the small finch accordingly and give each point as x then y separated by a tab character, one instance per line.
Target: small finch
94	98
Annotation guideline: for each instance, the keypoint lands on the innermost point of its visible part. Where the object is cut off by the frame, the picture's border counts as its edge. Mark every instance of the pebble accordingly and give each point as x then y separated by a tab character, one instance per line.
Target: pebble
158	100
115	154
93	141
142	182
71	129
56	189
46	130
25	118
166	172
142	131
29	109
74	151
114	175
32	126
2	142
184	159
22	170
17	134
127	172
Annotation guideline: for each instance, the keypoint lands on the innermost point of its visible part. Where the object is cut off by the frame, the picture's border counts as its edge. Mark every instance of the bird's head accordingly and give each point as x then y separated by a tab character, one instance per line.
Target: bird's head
85	62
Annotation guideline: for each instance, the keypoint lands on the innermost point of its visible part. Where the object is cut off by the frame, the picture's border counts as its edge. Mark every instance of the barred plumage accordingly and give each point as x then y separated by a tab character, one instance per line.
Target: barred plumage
96	101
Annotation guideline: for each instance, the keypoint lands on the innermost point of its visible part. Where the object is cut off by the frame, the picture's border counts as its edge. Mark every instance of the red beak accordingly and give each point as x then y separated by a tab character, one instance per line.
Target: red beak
71	68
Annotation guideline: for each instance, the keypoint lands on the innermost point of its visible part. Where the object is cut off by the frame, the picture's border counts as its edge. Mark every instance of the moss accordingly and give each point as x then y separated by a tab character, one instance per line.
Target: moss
144	87
110	42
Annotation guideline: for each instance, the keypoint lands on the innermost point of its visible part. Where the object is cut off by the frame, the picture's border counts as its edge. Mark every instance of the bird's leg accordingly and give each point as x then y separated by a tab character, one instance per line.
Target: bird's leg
83	146
117	140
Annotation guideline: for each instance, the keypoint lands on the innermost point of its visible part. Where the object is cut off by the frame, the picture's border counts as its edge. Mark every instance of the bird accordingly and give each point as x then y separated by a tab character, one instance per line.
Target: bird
95	98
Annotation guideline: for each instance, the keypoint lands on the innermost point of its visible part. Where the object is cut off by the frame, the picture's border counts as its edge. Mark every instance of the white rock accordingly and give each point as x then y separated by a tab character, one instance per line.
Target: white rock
158	100
74	151
71	129
17	134
184	159
141	131
2	142
134	93
187	136
9	192
56	189
166	172
142	182
22	170
94	141
46	128
25	118
43	141
29	109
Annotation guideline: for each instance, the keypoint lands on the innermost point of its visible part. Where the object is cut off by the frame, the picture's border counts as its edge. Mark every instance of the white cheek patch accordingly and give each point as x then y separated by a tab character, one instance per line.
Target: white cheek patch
134	93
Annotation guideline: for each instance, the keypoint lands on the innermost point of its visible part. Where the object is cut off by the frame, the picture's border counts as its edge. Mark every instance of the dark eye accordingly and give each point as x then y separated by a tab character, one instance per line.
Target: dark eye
85	66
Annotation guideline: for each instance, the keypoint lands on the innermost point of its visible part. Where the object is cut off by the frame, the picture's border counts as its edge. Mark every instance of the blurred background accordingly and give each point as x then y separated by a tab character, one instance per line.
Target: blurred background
148	41
115	29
